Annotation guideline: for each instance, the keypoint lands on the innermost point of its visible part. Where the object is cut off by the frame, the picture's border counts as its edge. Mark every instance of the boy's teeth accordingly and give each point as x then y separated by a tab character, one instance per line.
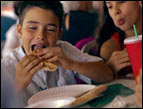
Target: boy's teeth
35	47
38	47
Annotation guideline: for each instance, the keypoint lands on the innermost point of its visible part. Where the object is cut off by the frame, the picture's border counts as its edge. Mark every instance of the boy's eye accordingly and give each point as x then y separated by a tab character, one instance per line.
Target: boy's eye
122	1
32	27
51	30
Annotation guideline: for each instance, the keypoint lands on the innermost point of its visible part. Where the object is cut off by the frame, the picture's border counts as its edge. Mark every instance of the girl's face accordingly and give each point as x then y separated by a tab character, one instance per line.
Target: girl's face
125	13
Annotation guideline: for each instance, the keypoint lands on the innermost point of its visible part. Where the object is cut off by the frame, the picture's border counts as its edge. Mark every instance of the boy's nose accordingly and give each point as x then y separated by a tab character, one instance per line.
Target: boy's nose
40	37
40	34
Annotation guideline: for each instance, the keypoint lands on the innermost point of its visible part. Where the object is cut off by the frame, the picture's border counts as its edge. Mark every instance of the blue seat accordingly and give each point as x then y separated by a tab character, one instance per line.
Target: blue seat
6	23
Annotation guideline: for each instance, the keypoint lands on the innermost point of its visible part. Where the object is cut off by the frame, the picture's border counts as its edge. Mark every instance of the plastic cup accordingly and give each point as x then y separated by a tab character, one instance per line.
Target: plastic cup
134	48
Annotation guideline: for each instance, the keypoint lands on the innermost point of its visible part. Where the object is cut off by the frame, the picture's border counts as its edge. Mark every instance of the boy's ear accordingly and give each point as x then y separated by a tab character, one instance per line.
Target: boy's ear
60	33
19	28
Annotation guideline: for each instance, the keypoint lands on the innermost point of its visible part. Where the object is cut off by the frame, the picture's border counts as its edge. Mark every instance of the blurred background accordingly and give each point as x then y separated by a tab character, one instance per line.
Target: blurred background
8	18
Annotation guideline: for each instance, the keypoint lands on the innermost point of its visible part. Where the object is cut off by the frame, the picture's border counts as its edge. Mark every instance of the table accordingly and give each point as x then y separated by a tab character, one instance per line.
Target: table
128	101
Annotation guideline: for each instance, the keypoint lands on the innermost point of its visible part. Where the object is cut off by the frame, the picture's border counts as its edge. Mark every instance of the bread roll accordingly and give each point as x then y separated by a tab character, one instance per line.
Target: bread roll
93	93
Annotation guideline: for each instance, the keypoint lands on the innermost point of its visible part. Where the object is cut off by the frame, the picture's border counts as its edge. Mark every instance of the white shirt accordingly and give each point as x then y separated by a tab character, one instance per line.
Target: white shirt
9	95
44	79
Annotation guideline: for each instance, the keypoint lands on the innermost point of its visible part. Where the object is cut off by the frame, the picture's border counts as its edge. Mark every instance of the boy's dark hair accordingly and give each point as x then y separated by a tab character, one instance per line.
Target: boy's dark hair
55	6
108	30
16	6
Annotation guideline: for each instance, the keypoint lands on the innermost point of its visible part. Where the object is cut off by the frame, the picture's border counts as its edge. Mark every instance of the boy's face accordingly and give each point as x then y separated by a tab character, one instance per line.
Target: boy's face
40	29
125	13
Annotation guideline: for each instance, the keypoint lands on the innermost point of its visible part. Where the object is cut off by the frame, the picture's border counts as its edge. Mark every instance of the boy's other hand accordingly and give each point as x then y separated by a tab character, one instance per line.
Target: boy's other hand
119	60
25	70
55	55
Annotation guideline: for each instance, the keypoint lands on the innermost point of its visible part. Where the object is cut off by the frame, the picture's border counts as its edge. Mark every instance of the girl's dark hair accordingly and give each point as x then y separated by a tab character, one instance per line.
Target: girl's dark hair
108	30
55	6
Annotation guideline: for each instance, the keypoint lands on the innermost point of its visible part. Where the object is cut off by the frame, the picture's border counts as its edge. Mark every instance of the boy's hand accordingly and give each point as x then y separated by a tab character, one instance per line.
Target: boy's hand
55	55
119	60
25	70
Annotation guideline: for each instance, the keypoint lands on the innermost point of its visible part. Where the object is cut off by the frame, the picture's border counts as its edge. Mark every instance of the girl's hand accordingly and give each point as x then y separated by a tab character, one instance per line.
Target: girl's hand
139	89
119	60
55	55
25	71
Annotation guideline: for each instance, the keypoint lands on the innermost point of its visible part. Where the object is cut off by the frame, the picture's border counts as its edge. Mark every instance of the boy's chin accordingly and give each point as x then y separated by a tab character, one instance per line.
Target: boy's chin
27	52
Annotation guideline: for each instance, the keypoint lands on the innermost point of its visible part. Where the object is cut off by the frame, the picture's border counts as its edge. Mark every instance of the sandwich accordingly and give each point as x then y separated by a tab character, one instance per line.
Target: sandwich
47	66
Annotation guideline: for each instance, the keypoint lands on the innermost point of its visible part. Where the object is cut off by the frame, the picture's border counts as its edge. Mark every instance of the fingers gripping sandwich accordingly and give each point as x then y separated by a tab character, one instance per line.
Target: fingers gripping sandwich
47	66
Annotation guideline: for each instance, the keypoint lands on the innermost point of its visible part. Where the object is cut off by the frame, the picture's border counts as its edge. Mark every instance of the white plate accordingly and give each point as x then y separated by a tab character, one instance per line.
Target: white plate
62	91
53	103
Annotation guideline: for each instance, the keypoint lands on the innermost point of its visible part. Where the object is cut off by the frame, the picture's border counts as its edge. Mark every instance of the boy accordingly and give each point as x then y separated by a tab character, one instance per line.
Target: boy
40	28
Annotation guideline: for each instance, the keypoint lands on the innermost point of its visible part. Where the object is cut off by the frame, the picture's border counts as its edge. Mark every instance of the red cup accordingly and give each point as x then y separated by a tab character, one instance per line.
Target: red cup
134	48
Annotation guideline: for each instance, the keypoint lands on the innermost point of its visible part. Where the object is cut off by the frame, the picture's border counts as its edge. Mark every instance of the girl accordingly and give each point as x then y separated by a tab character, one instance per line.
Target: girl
120	19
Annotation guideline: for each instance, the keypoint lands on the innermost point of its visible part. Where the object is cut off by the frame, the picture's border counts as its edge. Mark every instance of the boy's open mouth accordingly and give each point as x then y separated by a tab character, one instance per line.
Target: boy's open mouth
37	46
